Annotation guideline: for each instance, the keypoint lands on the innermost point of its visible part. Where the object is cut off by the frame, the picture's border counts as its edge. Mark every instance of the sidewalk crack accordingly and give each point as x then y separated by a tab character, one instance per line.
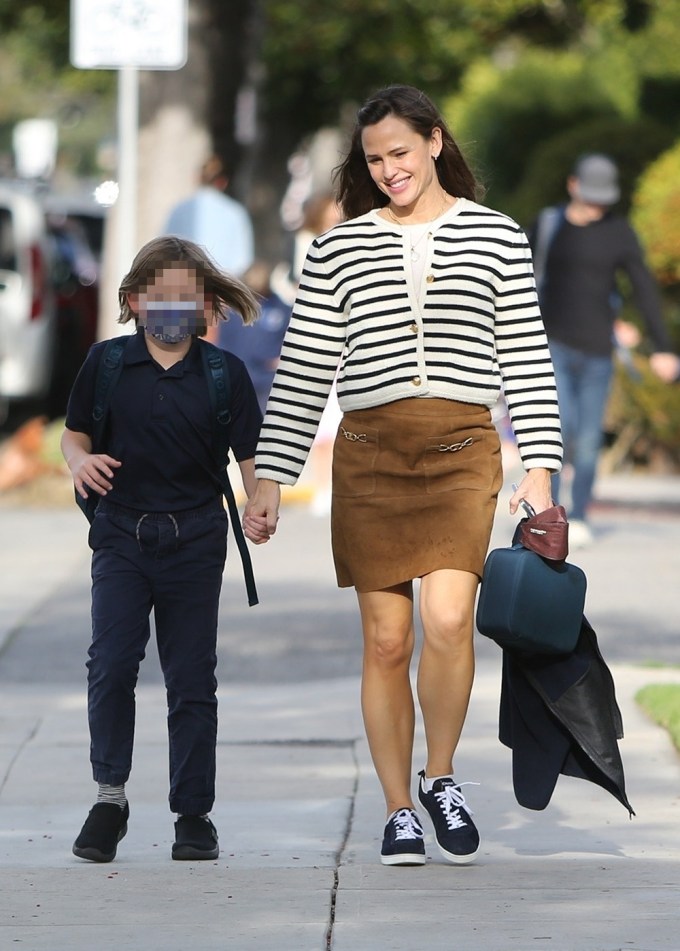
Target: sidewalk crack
341	850
22	746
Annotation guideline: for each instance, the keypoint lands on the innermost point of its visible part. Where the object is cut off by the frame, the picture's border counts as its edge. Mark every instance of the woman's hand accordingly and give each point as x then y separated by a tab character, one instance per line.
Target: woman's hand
535	488
262	512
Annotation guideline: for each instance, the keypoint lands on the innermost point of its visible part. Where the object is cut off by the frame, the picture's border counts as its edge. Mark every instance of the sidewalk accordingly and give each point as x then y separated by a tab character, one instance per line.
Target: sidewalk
299	809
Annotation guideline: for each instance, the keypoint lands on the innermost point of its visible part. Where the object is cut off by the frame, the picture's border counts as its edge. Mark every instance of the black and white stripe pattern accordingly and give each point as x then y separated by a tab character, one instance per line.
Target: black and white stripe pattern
478	326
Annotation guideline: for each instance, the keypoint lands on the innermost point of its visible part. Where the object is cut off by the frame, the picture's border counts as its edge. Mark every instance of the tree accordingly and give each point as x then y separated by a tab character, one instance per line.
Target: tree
656	215
37	80
320	56
308	64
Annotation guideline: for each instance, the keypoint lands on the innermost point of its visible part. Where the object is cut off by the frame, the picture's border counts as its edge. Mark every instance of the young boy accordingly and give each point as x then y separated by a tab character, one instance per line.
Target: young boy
159	533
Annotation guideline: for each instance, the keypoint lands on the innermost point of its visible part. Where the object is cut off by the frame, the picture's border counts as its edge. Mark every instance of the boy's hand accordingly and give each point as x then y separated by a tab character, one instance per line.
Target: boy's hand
262	512
92	471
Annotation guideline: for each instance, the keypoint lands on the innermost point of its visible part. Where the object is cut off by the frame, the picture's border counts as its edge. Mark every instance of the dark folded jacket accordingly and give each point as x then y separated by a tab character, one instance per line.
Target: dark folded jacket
560	715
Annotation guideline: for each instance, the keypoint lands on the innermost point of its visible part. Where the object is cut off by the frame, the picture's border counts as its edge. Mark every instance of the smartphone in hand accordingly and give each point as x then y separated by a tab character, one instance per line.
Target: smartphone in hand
529	510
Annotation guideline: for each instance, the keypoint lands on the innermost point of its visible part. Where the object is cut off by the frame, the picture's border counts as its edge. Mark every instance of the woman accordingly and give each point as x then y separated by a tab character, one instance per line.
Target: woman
427	302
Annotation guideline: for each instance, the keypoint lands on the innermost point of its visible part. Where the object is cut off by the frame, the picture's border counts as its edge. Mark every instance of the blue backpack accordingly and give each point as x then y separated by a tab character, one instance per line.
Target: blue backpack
216	374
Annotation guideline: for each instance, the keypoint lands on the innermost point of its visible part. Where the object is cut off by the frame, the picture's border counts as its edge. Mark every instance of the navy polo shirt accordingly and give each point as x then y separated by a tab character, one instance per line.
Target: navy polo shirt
160	426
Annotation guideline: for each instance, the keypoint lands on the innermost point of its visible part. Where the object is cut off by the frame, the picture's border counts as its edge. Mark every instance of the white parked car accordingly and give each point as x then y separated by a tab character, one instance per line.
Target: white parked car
27	310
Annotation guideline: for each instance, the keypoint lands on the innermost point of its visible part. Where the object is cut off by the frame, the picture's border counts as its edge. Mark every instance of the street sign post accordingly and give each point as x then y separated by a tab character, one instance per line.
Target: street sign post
141	34
128	35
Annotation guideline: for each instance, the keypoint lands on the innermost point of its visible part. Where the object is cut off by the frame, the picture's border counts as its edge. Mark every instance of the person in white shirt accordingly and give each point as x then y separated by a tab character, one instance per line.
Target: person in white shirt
215	220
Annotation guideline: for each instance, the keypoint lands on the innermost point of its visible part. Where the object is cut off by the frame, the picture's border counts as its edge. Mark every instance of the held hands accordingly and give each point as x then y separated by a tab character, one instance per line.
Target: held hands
92	471
535	488
262	512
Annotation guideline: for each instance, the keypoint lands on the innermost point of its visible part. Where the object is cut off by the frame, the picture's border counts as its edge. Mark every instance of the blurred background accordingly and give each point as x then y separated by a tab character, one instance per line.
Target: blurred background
270	87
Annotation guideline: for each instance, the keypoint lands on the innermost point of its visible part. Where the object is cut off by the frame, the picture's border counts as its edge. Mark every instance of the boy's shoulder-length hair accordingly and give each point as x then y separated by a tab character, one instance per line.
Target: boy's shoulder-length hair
225	291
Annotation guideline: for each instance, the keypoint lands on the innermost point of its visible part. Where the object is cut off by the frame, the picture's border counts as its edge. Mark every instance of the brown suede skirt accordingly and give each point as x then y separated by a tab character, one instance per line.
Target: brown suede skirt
415	484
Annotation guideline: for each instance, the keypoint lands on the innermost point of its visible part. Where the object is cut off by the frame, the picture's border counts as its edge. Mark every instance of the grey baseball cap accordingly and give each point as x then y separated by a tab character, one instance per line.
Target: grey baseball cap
598	179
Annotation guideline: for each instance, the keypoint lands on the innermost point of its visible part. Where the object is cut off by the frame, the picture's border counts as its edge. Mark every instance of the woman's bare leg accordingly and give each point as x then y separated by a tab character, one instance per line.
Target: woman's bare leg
386	696
447	662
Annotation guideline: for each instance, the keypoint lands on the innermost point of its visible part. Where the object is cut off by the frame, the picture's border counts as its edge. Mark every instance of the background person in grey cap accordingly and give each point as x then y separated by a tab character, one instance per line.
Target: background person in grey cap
579	250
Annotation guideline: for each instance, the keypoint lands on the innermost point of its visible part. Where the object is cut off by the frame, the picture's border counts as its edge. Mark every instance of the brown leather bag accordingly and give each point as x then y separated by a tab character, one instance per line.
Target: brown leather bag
546	533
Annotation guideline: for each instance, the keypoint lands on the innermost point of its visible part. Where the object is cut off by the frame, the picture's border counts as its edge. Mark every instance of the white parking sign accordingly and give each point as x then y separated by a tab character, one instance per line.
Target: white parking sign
114	34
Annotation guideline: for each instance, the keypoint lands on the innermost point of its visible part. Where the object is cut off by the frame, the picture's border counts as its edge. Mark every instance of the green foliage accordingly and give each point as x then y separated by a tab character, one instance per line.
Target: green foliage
656	215
544	66
38	81
656	46
645	413
526	111
321	56
633	144
661	702
503	115
46	23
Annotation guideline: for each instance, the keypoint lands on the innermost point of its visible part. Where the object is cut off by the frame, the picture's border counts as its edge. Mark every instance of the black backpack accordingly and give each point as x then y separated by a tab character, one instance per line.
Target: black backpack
216	374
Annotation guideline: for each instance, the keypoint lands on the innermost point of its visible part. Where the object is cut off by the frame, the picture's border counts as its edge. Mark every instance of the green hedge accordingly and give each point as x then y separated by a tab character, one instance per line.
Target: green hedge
633	144
643	417
656	215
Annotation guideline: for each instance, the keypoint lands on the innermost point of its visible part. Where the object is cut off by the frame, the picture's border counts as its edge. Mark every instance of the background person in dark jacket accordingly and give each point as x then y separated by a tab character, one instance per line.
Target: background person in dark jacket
579	251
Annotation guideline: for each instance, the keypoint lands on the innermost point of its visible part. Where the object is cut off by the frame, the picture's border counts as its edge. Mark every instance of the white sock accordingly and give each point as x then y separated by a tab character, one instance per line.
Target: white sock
429	783
113	794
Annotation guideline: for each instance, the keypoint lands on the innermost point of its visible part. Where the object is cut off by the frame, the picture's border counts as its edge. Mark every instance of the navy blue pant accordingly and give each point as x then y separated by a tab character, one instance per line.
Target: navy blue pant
173	564
583	381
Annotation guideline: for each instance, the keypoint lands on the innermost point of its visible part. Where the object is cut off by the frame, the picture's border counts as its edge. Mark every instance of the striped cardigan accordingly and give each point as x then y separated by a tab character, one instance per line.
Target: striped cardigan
476	326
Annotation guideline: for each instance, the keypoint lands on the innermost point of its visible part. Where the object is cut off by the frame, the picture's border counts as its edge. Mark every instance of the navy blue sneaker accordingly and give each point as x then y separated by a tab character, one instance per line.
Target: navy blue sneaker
403	842
455	832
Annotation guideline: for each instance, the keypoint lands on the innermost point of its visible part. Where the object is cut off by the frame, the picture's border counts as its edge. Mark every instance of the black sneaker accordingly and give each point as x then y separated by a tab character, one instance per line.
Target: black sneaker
195	838
104	827
454	830
403	842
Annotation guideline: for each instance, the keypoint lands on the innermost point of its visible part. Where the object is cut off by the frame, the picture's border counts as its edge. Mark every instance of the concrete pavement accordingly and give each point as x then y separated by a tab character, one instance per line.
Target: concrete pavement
299	810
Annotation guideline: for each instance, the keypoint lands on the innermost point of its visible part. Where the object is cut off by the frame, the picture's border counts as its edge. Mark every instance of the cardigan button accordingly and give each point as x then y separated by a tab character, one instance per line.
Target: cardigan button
416	381
430	278
414	328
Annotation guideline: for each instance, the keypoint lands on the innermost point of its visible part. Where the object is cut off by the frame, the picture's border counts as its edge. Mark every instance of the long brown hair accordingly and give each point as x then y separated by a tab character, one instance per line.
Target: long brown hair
226	292
357	192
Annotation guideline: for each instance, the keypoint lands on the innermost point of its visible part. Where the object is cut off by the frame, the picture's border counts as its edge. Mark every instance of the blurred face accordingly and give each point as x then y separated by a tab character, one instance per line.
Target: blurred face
401	162
580	212
172	304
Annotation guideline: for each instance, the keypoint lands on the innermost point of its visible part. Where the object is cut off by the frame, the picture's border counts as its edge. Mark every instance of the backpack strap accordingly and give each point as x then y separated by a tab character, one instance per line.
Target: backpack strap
548	224
219	387
108	371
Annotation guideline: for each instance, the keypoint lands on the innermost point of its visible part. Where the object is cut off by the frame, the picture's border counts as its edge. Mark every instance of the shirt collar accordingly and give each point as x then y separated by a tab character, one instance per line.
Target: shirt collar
136	352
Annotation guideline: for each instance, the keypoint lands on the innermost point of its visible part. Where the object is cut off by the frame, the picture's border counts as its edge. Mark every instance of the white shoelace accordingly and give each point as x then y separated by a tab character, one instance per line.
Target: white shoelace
451	801
407	825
